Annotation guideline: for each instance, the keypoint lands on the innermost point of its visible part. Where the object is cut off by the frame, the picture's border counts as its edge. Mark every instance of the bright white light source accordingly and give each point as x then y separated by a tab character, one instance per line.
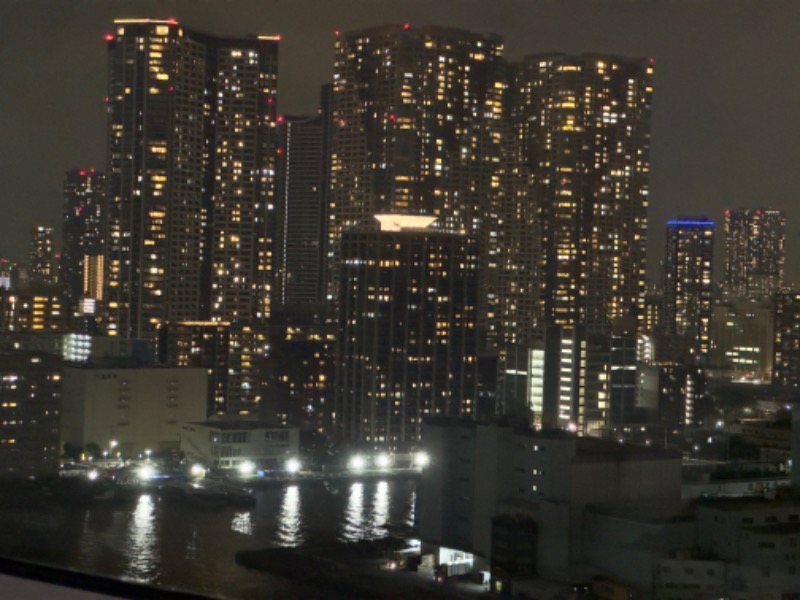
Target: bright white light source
383	460
292	465
93	474
421	459
146	472
198	470
357	463
247	468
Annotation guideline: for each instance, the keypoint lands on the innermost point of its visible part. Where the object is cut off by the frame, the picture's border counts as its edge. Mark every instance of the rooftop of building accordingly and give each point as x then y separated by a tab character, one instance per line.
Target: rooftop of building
236	424
649	512
596	450
587	449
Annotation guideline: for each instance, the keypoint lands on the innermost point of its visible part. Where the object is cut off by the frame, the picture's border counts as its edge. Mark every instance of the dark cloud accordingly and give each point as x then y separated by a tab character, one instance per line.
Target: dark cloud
725	124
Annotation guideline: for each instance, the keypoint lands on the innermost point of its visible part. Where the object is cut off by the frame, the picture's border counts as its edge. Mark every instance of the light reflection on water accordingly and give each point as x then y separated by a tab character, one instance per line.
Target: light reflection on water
353	529
380	510
242	523
289	520
411	515
142	563
169	544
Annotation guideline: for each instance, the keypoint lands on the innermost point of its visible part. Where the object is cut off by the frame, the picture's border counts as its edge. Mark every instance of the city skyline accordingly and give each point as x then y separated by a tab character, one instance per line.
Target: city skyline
708	151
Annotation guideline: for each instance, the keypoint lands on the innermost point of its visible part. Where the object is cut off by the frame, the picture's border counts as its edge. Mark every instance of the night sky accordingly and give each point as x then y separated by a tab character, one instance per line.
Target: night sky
726	119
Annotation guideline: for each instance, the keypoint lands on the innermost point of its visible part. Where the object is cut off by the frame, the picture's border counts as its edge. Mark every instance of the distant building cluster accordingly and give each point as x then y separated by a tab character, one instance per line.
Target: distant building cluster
450	254
220	226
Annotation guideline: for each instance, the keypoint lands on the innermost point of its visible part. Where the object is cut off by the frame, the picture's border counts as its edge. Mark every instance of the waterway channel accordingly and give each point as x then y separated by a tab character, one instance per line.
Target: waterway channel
173	545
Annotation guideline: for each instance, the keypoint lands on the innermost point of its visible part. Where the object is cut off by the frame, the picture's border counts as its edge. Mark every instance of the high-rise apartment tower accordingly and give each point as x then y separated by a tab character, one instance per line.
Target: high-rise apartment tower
573	215
755	241
687	280
416	114
82	248
190	169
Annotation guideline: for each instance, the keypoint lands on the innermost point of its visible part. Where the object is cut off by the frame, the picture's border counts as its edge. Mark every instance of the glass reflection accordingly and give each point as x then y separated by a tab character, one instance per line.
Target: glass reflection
380	510
243	523
354	514
289	521
141	547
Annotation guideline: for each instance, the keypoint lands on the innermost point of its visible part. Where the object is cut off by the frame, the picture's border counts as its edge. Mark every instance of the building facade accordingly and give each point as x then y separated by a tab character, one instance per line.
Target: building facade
416	116
688	262
575	192
43	265
786	364
755	240
228	444
407	342
129	408
81	262
743	334
301	197
30	406
479	473
571	223
190	170
200	344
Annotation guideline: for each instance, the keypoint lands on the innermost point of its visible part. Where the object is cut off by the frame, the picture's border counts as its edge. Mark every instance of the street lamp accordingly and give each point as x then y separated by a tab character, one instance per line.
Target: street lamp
357	463
292	465
383	460
421	459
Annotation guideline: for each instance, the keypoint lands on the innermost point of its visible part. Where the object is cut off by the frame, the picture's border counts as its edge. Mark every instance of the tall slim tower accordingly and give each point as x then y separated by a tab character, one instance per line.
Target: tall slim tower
189	172
755	241
687	280
575	192
415	115
82	247
42	257
302	181
572	227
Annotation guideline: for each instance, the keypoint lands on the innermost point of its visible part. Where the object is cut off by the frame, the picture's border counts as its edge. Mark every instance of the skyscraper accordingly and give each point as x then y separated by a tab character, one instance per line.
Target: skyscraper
189	176
82	247
415	116
755	241
786	365
687	280
575	192
301	196
407	337
571	225
42	257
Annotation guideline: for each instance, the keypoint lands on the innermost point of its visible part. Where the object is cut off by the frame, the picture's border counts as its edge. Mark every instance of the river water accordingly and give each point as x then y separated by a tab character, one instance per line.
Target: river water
192	549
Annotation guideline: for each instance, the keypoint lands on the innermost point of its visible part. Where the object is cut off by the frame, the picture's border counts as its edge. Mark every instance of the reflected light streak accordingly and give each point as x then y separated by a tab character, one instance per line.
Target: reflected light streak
411	516
353	529
380	510
142	561
242	523
290	523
